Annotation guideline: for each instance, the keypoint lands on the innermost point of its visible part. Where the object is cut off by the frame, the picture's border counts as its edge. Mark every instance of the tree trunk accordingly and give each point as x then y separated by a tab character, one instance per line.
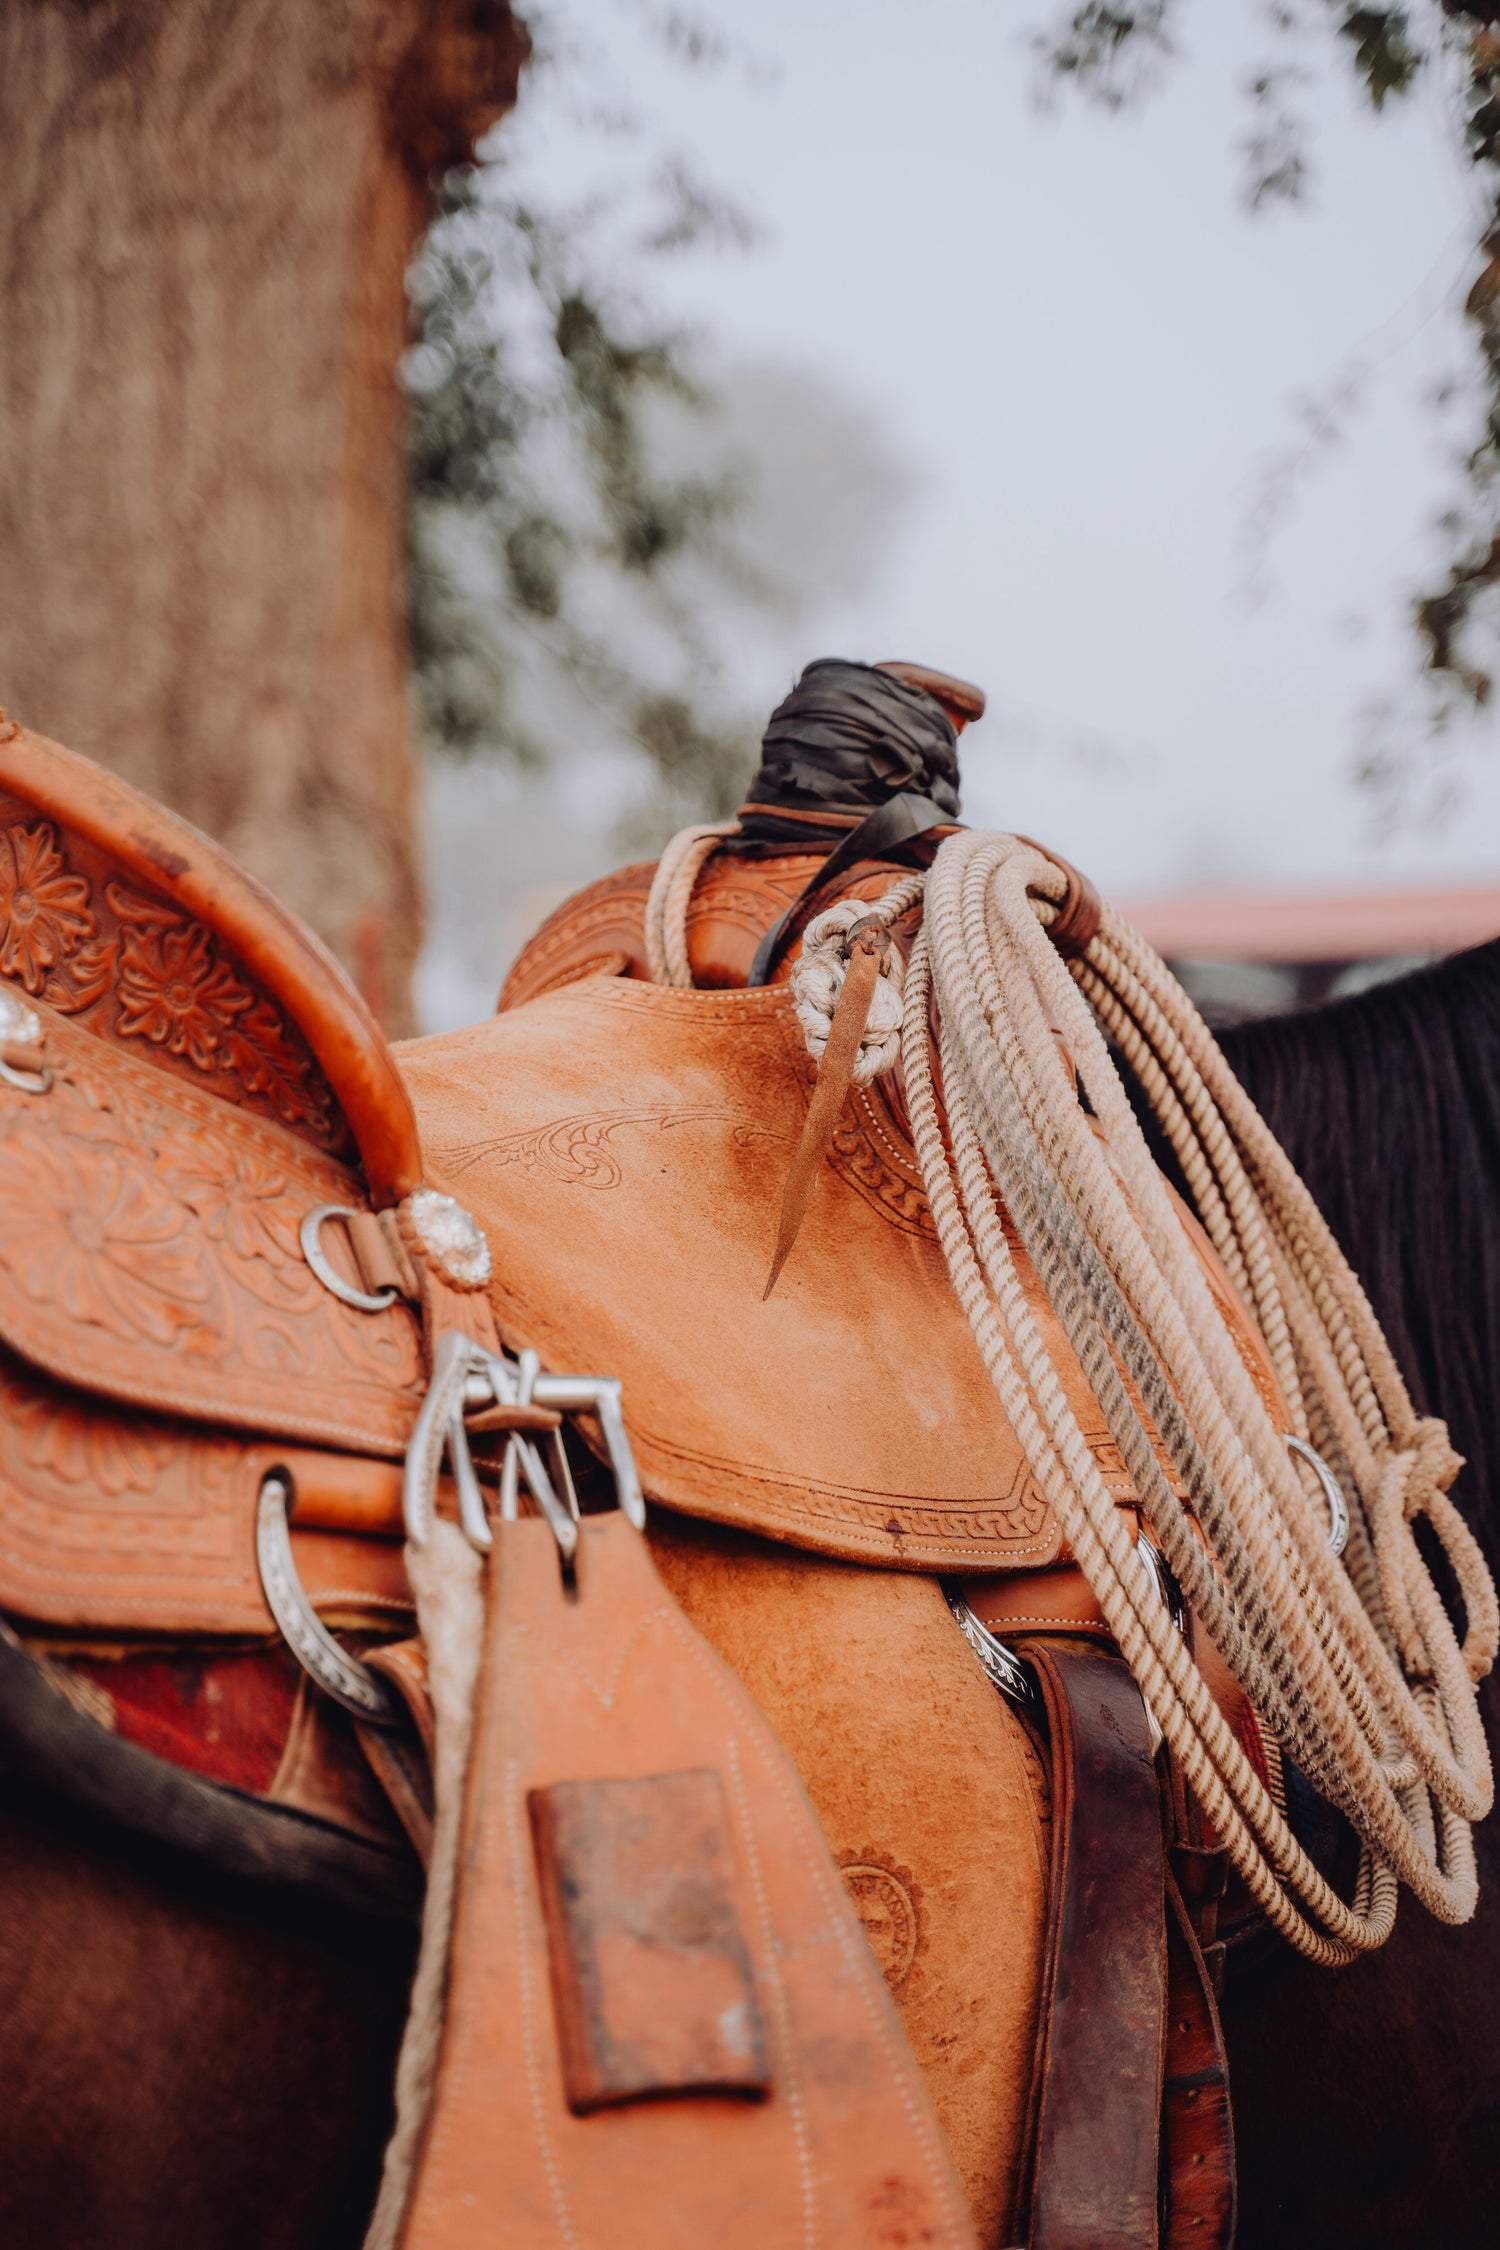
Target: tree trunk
206	211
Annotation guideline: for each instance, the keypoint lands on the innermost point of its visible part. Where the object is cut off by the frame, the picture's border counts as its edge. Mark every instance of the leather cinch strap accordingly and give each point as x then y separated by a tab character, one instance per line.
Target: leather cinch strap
1131	2142
1096	2095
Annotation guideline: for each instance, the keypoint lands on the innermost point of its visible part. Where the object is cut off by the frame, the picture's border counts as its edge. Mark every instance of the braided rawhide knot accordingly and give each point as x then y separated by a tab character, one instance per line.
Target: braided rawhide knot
819	972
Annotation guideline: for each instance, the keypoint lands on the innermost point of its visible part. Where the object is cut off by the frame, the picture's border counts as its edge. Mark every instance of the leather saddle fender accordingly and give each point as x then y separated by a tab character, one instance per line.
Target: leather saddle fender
665	2026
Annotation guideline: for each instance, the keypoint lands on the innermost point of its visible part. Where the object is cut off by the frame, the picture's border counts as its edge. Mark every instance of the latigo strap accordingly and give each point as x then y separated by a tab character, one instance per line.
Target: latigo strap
1130	2138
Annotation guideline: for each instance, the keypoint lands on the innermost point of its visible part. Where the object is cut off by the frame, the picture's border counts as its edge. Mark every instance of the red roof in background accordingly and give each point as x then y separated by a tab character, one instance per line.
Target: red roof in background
1315	925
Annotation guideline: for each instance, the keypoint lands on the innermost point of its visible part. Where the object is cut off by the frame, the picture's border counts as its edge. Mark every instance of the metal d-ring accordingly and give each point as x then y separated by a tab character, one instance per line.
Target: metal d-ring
334	1670
362	1300
1333	1492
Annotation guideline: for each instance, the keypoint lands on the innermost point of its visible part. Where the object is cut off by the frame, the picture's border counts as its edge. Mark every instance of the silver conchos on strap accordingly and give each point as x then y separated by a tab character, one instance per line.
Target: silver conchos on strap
447	1236
434	1232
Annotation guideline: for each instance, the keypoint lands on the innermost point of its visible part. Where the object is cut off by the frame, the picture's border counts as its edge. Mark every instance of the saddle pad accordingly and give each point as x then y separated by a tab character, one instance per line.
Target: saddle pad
149	1251
625	1146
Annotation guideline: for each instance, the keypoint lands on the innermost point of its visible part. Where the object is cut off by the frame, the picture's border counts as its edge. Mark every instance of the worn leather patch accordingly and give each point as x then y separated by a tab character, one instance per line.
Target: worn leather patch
149	1251
650	1967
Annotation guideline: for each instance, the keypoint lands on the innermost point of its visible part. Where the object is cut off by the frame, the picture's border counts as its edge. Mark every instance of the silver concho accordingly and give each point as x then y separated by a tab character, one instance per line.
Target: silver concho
448	1237
21	1026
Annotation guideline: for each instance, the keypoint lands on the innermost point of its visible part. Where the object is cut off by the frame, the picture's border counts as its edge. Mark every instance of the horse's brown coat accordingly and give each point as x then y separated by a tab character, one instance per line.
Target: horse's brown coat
184	2062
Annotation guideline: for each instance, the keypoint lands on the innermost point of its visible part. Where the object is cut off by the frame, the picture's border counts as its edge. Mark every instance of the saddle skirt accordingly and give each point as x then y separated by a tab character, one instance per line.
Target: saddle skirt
627	1144
207	1079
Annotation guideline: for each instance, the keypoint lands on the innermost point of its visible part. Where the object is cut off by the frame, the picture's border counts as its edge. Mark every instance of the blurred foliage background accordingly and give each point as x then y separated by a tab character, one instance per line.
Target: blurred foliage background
1118	57
603	505
567	566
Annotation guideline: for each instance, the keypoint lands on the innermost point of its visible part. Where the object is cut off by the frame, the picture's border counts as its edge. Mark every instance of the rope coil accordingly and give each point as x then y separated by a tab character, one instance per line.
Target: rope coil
1351	1663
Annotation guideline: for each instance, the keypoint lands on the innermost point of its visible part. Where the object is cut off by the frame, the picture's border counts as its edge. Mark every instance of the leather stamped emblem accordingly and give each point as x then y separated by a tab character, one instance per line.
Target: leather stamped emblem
888	1900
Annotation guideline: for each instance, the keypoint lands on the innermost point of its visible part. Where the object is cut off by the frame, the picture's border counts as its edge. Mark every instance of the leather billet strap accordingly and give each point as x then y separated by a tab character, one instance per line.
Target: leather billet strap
1091	2180
869	943
1130	2137
1197	2156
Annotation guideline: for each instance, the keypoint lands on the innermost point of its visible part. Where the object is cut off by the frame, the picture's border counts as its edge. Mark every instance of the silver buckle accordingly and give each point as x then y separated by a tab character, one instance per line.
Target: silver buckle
465	1376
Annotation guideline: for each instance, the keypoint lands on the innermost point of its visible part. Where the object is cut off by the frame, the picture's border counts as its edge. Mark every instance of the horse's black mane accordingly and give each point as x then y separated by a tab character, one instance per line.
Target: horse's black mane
1389	1106
1367	2105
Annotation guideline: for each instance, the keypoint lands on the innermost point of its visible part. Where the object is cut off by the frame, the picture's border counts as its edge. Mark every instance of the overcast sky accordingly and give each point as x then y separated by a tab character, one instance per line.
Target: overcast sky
1080	362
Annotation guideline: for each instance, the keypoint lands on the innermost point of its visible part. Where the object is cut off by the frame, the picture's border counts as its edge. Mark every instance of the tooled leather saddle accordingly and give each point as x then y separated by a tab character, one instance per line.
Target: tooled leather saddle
225	1285
232	1239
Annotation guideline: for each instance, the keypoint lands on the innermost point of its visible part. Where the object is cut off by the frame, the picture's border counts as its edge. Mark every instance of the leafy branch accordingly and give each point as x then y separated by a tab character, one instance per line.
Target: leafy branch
1118	55
557	565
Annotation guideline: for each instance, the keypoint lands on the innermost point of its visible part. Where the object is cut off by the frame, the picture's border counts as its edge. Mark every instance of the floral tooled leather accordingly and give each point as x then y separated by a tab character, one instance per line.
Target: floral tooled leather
132	967
113	1520
149	1250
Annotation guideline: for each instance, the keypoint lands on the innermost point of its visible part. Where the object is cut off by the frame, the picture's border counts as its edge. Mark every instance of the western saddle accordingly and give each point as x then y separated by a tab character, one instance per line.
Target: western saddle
252	1342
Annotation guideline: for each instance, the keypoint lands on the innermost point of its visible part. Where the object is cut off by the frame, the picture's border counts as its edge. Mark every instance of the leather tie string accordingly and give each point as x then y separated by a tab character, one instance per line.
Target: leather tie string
869	942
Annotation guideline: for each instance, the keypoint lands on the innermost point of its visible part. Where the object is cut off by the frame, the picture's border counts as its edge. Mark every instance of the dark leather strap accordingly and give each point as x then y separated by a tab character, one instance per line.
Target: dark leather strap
1097	2087
1198	2176
895	822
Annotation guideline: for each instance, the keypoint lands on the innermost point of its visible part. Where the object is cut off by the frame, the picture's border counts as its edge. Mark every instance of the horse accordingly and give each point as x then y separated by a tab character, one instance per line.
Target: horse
201	1939
1367	2105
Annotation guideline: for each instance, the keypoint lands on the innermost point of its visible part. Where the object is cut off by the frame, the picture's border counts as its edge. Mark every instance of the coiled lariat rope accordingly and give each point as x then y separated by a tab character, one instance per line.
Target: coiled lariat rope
1352	1664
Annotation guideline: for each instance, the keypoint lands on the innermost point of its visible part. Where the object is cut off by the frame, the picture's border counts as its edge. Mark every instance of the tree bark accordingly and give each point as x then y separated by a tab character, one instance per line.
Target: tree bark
206	212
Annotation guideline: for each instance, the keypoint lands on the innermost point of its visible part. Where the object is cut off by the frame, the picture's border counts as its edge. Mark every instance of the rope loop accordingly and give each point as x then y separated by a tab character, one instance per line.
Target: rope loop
671	894
1351	1663
1019	984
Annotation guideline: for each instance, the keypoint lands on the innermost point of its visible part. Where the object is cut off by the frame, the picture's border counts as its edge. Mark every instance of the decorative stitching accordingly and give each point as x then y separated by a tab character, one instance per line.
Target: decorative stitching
868	1981
793	2090
606	1696
560	2210
872	1989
